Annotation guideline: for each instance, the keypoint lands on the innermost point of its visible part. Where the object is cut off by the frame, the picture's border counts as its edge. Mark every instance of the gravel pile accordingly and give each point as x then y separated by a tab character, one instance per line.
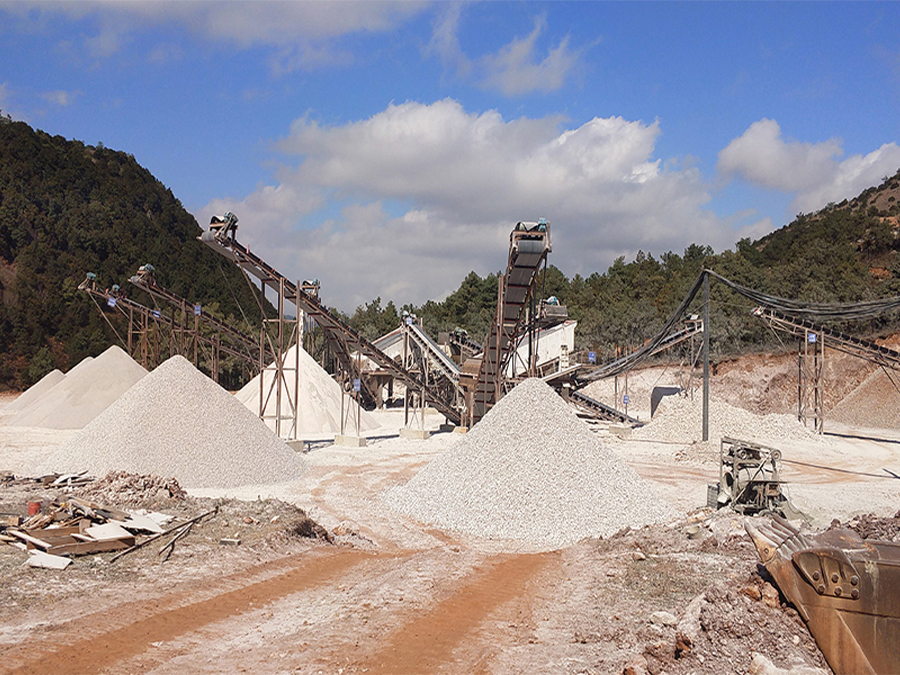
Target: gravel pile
178	423
530	471
319	396
678	419
874	404
85	392
35	391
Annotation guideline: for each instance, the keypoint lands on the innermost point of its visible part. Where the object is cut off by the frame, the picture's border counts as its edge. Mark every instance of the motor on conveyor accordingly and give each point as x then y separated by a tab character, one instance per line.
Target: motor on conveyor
223	226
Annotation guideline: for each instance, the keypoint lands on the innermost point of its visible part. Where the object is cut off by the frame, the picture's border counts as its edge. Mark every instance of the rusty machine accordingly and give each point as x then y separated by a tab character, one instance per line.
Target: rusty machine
748	480
847	590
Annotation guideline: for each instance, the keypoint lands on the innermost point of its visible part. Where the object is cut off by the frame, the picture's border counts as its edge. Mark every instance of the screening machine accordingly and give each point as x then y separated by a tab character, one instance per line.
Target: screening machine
749	480
847	590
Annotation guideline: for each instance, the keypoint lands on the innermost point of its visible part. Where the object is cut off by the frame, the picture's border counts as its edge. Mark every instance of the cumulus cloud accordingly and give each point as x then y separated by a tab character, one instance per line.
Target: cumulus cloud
814	172
430	192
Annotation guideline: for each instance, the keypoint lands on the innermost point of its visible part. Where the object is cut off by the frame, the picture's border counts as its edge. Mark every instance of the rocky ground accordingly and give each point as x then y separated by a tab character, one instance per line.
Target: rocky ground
377	592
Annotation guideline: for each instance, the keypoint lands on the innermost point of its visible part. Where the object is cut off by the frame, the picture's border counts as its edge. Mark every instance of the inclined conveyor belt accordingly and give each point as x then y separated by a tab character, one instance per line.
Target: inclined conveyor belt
342	339
244	340
528	250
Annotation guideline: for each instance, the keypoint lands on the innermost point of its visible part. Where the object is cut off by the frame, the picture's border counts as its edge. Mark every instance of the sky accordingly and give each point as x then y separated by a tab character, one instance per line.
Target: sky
389	148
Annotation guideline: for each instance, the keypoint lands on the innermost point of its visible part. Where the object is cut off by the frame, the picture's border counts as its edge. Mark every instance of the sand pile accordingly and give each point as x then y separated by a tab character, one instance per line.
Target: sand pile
85	392
679	419
176	422
319	407
530	471
35	391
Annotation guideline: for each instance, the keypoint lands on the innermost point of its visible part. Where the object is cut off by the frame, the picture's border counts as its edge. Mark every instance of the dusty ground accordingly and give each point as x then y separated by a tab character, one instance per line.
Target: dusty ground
388	595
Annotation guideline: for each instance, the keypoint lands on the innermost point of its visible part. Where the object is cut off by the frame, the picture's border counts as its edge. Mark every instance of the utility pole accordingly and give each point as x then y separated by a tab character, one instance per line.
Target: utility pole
705	356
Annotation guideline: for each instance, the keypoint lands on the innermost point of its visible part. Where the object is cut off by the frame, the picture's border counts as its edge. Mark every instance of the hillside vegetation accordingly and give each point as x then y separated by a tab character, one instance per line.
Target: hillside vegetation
67	208
846	252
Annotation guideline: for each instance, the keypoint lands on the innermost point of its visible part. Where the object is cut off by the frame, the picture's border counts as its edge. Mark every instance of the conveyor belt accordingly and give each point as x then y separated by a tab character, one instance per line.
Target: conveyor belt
600	410
249	345
528	249
434	353
126	307
883	356
615	367
341	339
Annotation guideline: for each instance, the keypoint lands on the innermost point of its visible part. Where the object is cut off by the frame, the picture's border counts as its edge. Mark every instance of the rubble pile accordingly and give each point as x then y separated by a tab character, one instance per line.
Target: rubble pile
132	489
318	398
680	419
38	389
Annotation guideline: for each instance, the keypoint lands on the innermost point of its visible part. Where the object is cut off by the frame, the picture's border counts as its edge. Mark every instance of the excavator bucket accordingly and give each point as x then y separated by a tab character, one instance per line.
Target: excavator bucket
846	589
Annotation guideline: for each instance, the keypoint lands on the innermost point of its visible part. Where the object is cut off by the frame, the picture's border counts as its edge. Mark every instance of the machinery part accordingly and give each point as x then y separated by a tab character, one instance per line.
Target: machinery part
846	589
224	226
529	245
748	479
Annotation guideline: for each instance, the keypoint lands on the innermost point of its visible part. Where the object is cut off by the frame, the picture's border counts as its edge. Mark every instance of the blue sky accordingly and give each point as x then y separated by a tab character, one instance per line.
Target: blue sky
388	148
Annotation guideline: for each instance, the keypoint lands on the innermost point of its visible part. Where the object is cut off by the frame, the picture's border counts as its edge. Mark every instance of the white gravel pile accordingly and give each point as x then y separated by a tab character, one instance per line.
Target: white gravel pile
874	404
319	399
530	471
35	391
679	419
85	392
178	423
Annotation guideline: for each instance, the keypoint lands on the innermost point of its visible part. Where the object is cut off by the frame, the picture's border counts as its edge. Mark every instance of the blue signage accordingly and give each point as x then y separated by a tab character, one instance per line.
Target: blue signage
592	357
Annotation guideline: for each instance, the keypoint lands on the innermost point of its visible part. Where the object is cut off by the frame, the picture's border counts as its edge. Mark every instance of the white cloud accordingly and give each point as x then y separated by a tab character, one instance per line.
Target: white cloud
60	98
515	69
814	172
430	192
445	41
300	32
762	157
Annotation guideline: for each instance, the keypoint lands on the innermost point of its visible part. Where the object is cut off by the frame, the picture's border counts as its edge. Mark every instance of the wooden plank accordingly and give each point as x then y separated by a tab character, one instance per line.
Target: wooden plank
109	531
48	561
85	548
10	519
27	538
106	511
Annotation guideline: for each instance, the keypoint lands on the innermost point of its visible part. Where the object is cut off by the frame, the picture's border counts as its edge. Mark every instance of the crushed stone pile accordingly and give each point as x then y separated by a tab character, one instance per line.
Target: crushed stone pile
35	391
680	419
85	392
319	396
530	471
874	404
176	422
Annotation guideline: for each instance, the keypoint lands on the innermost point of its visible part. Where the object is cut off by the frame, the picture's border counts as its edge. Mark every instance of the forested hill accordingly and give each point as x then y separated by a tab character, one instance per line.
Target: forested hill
843	253
67	209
